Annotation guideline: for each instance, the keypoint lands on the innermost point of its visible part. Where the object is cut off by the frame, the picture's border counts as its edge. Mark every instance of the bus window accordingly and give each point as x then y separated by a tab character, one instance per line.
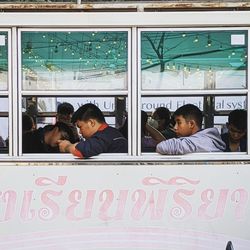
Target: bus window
74	60
43	110
78	67
4	92
206	68
178	60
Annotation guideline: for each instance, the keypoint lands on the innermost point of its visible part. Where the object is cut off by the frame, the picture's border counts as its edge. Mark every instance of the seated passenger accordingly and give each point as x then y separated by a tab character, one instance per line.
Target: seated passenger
64	114
235	138
28	123
188	123
44	140
161	117
99	136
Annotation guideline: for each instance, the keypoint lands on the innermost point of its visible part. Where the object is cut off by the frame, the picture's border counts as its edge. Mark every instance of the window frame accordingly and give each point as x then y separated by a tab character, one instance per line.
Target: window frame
67	93
8	93
194	92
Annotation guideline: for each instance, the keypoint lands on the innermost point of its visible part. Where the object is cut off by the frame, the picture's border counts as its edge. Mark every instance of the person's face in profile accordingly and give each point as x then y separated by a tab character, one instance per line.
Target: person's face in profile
235	135
182	126
86	128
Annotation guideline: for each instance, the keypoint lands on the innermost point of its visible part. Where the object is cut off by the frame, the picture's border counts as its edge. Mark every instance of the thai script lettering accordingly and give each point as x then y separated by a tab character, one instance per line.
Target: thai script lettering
175	198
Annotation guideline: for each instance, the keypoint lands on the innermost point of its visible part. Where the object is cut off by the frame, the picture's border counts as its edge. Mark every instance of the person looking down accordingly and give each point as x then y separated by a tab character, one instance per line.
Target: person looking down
44	140
236	137
98	136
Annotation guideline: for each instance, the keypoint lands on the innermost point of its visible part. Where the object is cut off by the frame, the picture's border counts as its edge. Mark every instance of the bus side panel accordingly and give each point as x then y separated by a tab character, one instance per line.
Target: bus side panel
124	207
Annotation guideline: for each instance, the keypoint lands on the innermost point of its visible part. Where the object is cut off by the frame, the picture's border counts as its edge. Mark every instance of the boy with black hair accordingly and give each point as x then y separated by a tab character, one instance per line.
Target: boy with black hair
235	138
28	123
188	123
64	114
65	111
45	140
99	137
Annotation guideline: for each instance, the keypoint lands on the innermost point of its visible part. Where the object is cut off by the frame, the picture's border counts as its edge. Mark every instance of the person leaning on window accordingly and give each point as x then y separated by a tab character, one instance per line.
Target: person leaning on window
191	138
236	138
99	136
44	140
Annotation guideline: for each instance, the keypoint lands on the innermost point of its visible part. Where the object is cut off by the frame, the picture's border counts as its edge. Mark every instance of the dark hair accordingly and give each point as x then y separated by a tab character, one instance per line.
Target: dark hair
238	118
88	111
65	108
64	129
163	113
190	112
27	122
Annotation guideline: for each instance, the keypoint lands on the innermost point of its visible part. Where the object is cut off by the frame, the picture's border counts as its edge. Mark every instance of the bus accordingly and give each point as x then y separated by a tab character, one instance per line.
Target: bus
123	57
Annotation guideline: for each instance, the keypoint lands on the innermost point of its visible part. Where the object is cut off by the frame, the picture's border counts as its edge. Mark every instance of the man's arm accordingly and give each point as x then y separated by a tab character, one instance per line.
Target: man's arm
155	134
66	147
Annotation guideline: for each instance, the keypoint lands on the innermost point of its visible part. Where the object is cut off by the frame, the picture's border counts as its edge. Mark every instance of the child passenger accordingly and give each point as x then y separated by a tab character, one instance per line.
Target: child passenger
44	140
188	123
99	136
236	139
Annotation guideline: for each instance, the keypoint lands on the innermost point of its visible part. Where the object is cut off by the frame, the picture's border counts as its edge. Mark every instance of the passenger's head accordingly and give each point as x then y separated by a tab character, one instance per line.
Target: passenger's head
88	119
237	124
188	120
64	112
162	116
59	131
28	123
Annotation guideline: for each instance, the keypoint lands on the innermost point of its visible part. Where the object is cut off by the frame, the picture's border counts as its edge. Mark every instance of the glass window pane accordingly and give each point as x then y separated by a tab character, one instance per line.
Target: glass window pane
4	125
74	60
149	104
43	110
3	61
215	111
229	103
4	134
194	59
220	123
4	105
49	104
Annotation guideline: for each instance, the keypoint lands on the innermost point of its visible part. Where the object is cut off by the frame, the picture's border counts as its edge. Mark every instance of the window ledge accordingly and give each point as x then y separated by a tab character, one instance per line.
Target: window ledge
123	159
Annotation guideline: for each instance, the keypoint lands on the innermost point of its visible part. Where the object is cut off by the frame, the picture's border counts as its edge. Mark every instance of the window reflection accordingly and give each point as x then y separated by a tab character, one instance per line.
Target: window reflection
215	109
3	61
4	125
43	110
74	60
4	135
194	60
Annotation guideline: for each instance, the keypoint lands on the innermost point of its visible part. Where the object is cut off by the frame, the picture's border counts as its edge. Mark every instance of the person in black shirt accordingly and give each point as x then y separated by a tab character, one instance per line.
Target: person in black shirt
45	140
236	137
